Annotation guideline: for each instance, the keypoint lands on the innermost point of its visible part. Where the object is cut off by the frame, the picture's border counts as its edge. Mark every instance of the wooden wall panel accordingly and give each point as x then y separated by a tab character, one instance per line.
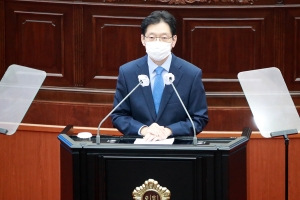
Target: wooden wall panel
30	166
279	21
111	41
32	44
266	169
2	40
83	114
161	3
267	155
294	161
290	1
39	37
78	46
223	56
222	45
292	50
62	113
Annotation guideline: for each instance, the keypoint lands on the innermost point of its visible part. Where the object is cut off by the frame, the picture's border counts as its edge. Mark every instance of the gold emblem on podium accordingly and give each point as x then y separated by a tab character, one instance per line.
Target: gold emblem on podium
151	190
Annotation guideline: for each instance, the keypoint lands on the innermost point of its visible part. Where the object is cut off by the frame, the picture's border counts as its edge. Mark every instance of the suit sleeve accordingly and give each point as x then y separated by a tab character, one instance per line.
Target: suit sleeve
122	117
196	107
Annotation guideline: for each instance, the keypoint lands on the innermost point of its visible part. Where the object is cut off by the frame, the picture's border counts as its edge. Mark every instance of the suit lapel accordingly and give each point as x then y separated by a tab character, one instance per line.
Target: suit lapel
168	91
143	69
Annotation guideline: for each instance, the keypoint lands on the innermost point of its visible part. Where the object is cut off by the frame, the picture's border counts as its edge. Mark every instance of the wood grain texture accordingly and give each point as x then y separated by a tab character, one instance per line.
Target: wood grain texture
294	164
84	114
60	113
111	41
29	166
292	51
83	45
2	40
266	169
78	45
40	37
279	43
90	115
181	3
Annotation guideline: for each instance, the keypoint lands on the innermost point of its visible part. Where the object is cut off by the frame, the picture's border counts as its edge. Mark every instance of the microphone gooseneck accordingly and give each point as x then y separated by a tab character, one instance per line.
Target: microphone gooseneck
169	79
144	81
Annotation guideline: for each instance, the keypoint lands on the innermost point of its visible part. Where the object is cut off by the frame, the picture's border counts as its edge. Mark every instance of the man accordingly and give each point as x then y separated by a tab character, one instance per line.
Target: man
156	112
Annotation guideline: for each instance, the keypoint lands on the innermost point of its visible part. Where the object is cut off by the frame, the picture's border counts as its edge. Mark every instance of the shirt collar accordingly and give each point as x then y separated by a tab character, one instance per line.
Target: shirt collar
166	65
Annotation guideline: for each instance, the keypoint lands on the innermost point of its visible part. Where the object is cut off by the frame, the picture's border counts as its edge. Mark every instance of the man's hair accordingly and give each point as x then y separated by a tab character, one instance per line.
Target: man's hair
158	16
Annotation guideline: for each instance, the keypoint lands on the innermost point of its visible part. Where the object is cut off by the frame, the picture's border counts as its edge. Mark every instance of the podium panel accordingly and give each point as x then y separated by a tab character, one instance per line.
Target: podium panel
113	169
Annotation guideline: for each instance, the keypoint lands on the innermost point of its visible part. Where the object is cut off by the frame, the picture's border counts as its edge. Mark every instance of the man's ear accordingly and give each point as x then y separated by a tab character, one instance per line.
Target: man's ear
174	40
143	40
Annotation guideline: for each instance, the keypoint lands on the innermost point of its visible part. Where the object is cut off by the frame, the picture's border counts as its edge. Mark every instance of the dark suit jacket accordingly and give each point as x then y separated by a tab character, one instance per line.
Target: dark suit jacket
139	110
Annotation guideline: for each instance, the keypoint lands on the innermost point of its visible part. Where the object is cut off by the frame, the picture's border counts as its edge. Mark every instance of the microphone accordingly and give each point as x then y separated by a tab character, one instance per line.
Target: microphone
169	79
144	81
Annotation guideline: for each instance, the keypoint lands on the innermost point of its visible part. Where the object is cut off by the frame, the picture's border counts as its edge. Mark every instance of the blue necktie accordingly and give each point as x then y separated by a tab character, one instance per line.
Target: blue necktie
158	87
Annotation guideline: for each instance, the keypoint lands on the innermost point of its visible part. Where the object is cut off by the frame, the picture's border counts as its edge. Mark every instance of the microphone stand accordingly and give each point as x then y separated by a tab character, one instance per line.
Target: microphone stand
98	130
195	142
168	79
285	134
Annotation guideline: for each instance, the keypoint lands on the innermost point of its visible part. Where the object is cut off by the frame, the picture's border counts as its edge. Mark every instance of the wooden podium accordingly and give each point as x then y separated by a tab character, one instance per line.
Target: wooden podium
112	170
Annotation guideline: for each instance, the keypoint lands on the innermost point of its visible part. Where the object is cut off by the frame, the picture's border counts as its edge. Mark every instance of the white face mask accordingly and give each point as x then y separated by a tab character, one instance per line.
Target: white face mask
158	50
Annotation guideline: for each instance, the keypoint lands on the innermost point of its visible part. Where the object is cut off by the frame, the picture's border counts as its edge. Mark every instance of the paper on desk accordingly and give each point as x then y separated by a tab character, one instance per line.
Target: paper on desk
142	141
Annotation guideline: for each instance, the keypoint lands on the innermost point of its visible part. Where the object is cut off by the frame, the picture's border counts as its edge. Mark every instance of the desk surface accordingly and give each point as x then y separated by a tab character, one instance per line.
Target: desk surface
67	137
115	132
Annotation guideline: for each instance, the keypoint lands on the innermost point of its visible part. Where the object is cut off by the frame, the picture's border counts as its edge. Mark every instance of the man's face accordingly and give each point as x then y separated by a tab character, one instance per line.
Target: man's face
161	30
